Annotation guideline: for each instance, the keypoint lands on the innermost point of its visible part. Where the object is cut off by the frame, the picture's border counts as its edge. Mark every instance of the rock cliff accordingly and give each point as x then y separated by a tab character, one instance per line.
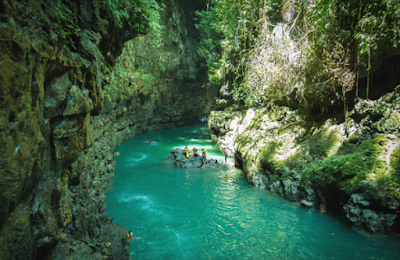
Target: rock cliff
351	168
61	119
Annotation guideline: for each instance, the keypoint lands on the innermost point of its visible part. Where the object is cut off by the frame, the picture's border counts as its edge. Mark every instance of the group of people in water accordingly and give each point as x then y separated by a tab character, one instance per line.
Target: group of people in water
203	154
195	153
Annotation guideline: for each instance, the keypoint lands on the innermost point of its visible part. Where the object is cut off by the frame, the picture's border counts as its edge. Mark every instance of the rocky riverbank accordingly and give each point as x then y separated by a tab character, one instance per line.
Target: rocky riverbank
352	168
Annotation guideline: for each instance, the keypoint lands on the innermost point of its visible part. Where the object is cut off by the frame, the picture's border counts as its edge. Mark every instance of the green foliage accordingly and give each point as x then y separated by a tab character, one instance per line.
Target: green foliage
294	51
64	12
228	29
142	15
395	164
124	80
382	112
377	21
139	14
323	144
112	92
148	79
155	30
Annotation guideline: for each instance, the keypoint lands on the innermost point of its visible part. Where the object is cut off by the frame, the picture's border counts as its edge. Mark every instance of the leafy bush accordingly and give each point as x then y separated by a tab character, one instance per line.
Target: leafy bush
138	13
124	79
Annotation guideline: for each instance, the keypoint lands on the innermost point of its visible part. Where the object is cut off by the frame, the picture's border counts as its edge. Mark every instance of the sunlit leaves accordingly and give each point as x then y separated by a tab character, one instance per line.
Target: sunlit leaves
137	13
274	50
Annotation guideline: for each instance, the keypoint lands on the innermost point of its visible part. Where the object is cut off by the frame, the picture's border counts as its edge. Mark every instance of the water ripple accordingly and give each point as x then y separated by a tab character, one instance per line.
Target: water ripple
198	214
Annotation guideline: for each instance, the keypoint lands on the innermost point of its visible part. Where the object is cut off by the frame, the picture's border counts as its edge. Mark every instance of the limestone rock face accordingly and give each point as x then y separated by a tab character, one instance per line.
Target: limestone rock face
115	236
58	126
49	87
161	77
178	158
360	215
327	165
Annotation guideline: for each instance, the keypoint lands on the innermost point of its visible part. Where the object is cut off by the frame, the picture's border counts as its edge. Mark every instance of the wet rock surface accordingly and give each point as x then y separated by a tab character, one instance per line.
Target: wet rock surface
360	215
178	158
330	166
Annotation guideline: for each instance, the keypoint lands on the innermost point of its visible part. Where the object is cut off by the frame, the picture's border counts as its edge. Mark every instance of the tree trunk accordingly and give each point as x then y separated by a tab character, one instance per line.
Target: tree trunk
369	70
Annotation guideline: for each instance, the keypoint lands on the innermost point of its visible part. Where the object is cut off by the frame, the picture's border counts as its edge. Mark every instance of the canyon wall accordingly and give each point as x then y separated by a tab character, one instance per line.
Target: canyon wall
63	114
350	168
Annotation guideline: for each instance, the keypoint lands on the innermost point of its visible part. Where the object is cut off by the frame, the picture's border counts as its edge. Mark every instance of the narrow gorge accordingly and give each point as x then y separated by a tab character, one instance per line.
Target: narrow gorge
61	120
318	125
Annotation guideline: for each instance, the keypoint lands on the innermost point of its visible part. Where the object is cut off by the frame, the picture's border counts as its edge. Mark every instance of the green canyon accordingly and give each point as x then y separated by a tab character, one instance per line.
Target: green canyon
196	213
303	95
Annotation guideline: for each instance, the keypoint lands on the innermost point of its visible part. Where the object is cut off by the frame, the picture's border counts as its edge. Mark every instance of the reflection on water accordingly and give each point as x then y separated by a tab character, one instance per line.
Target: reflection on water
198	214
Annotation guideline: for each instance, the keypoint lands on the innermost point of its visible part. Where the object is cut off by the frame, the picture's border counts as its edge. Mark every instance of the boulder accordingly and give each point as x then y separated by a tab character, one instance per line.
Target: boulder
357	213
177	157
115	238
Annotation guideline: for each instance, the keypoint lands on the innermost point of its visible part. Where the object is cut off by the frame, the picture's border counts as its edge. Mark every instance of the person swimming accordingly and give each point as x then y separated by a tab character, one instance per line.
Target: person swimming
130	235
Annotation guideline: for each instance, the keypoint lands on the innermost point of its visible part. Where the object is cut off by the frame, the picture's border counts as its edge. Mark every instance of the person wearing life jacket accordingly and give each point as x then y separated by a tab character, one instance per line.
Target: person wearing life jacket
204	154
187	154
195	152
130	235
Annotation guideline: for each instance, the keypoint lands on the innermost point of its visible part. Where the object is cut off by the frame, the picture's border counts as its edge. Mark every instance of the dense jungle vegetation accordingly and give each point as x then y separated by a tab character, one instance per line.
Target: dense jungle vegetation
318	56
308	54
121	81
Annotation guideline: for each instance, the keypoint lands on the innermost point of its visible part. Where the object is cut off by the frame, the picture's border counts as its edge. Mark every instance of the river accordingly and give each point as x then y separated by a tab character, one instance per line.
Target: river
199	214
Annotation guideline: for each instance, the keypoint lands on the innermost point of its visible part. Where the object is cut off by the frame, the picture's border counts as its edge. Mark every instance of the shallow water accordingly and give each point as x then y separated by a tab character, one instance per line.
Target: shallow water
198	214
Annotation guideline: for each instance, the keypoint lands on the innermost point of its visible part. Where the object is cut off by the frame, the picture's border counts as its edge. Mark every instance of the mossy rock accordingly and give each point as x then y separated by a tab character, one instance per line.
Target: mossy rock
382	115
361	169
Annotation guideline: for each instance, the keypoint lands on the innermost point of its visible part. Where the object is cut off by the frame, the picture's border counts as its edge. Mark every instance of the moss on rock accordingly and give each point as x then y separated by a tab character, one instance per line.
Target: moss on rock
327	162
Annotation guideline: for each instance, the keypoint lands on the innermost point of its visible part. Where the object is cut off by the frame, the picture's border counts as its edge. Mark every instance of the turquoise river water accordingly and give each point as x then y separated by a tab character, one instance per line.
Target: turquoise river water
198	214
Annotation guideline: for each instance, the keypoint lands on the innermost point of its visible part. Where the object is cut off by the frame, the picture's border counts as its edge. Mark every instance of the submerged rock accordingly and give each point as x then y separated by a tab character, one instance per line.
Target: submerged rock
177	157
